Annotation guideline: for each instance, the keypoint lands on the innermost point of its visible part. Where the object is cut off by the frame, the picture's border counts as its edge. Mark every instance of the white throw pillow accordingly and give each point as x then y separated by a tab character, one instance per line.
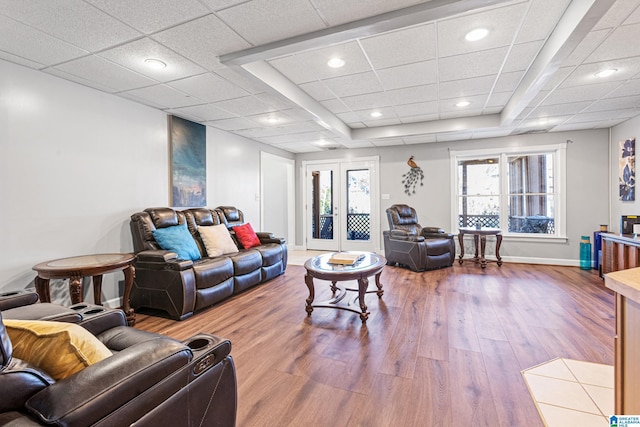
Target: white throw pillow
217	240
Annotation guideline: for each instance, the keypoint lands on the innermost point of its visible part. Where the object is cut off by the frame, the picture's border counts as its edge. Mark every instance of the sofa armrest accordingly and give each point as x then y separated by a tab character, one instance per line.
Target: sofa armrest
102	388
435	233
13	299
161	260
269	238
403	235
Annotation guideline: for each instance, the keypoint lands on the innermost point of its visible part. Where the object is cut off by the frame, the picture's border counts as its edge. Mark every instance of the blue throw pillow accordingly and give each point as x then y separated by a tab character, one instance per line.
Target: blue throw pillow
177	239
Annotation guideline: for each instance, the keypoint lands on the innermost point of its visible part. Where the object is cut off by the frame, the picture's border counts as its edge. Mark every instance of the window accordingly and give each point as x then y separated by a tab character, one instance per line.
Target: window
517	191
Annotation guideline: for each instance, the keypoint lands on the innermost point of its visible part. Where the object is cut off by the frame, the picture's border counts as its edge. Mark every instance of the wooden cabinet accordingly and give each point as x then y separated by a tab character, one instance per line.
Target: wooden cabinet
626	284
619	252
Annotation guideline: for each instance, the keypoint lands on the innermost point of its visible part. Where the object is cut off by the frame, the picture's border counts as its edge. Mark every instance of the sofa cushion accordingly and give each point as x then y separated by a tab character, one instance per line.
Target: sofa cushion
60	349
246	236
217	240
178	239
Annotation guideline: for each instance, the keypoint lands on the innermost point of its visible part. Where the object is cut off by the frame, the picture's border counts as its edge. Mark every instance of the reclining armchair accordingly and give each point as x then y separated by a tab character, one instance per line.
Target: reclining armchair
149	379
407	243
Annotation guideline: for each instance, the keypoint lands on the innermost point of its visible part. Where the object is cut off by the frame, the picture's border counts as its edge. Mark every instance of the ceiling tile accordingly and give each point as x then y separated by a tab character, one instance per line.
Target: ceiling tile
416	109
317	90
300	147
597	116
475	64
466	87
416	74
340	11
312	65
616	46
502	23
632	87
209	87
356	84
624	102
336	106
149	16
616	14
372	123
202	40
541	19
420	118
85	82
133	55
166	96
419	139
245	106
498	99
105	73
592	40
585	74
454	114
217	5
251	85
521	56
475	103
387	142
30	44
232	124
559	109
456	136
264	21
206	112
73	21
18	60
401	47
579	93
508	82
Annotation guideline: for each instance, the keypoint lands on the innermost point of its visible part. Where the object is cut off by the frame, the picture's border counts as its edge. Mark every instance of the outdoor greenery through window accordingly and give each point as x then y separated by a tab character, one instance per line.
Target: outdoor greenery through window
515	191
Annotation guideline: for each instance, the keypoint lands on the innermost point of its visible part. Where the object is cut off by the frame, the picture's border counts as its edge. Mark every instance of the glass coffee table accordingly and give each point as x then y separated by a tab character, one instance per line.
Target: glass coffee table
319	267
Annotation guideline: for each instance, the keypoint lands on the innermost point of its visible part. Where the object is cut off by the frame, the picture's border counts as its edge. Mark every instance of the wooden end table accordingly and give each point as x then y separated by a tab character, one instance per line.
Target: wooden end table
75	268
481	235
319	267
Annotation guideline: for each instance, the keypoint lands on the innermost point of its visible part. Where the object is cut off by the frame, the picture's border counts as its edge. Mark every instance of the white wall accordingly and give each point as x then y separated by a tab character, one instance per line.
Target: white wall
587	187
75	163
626	130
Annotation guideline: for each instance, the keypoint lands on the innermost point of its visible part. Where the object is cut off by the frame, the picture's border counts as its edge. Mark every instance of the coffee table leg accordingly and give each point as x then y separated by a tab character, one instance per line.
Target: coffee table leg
42	288
75	289
97	289
379	285
308	279
363	284
129	275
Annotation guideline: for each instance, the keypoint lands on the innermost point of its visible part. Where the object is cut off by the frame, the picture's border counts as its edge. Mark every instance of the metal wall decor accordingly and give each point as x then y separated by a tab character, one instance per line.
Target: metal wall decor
411	178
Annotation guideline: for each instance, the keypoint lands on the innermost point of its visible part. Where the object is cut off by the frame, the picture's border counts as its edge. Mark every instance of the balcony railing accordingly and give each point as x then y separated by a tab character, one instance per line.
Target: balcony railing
358	226
517	224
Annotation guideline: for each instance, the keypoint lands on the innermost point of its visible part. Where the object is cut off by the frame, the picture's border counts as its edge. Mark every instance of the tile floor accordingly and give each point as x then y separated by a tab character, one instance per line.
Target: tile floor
571	392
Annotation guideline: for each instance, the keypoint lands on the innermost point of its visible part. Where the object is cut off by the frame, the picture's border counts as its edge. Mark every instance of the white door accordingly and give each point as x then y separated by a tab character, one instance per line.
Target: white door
342	205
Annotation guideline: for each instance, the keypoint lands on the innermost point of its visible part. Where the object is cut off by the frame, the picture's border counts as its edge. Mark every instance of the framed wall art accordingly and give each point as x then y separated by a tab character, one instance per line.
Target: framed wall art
188	142
627	170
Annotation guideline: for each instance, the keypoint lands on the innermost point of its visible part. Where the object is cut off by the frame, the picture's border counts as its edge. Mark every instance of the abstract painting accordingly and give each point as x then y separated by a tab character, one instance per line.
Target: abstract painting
188	163
627	170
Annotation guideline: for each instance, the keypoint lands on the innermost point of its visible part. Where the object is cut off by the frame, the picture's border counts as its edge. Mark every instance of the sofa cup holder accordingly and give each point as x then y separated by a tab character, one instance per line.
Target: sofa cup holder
79	306
199	343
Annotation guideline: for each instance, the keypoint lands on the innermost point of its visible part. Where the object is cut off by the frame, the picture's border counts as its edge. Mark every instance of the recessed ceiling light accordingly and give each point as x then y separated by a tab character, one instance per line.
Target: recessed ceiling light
462	104
376	114
273	119
477	34
155	63
606	73
335	62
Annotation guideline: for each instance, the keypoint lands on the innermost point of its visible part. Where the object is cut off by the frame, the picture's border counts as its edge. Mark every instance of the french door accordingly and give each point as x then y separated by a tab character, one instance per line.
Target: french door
341	210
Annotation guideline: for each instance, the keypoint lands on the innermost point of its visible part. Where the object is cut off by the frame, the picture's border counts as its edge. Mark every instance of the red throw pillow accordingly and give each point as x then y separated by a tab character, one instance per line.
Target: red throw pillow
246	236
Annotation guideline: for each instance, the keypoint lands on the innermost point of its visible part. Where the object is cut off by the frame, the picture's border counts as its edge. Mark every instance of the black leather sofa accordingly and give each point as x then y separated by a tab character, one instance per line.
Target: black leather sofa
181	287
149	380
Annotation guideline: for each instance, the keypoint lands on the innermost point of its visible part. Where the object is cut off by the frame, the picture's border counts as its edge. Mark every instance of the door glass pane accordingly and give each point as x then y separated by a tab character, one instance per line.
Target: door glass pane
358	205
322	205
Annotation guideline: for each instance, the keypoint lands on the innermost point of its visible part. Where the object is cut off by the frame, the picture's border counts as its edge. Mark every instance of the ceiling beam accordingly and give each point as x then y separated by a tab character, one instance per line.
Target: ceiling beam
574	25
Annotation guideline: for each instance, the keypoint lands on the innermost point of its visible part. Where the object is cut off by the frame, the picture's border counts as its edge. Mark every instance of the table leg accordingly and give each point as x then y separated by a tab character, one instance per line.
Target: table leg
363	284
308	279
129	275
475	243
379	285
461	241
97	289
498	243
42	288
483	245
75	289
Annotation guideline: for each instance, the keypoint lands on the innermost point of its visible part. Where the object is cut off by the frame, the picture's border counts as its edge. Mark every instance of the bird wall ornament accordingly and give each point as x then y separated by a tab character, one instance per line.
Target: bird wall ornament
411	178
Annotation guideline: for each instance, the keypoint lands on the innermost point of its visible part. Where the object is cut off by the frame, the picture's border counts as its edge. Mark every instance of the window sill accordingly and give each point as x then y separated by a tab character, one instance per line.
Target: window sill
536	239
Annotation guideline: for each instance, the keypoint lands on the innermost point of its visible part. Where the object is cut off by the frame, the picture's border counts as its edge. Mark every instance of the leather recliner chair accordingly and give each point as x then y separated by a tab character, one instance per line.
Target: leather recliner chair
149	380
407	243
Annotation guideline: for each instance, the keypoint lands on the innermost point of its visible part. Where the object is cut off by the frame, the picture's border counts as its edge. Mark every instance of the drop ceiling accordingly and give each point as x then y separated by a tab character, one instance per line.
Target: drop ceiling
258	68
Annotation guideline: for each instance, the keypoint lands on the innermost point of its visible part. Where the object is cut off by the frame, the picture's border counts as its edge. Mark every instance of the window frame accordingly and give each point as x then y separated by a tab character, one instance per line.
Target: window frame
559	175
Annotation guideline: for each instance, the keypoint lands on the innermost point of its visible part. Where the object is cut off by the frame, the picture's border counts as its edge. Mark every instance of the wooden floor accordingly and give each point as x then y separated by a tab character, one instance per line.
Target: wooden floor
441	348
